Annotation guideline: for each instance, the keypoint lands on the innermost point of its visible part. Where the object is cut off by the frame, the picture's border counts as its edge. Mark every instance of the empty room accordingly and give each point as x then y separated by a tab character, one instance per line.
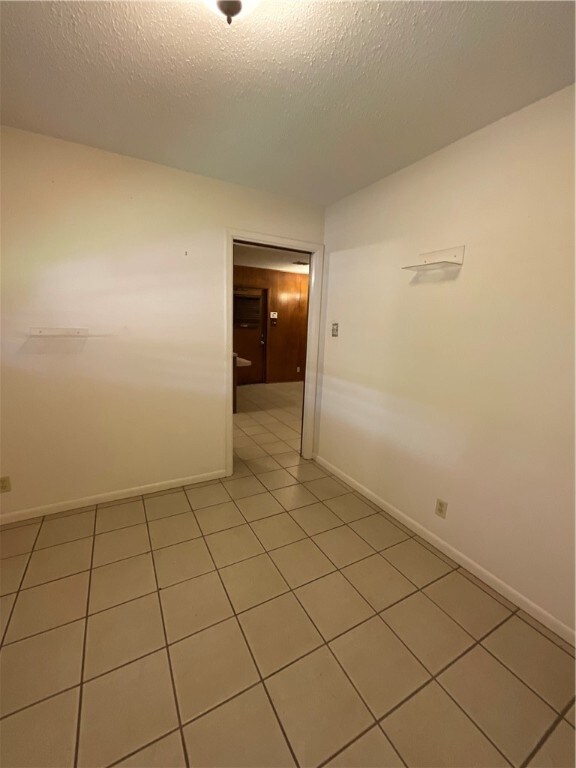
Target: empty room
287	424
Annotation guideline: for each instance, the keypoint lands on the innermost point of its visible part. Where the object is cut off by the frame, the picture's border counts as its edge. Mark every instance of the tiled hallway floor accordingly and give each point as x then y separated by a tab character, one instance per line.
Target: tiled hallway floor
270	619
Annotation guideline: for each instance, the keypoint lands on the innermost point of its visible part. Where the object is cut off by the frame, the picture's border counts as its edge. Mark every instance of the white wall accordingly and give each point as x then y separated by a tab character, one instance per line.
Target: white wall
135	252
463	388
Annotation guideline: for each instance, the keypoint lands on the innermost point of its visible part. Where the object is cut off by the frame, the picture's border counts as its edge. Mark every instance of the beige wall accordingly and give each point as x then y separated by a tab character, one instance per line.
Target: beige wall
463	388
135	252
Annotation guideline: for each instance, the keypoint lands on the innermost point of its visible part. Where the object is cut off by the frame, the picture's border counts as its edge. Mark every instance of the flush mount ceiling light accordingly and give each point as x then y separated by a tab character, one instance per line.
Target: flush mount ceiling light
231	8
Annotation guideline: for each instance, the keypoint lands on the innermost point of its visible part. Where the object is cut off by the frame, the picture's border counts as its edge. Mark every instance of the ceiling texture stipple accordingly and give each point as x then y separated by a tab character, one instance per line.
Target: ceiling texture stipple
307	98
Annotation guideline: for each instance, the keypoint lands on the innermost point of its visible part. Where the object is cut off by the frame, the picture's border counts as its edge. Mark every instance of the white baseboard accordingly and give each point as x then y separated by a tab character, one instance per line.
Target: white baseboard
539	613
101	498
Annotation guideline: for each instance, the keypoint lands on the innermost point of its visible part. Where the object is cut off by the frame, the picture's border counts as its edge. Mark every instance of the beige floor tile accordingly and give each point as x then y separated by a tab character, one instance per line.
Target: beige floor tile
182	561
249	451
42	736
239	470
318	707
380	666
556	639
373	750
18	541
122	634
48	605
264	438
305	472
378	581
253	738
264	464
492	592
416	563
6	604
173	530
271	647
278	447
243	441
486	690
343	546
543	666
20	523
11	572
207	496
210	667
219	517
557	751
233	545
431	730
301	562
166	504
244	486
259	506
435	551
278	478
120	544
349	507
570	715
42	665
63	529
132	705
68	513
467	604
56	562
378	532
315	518
294	496
277	531
120	516
289	459
194	605
429	633
252	582
118	582
333	605
326	488
167	752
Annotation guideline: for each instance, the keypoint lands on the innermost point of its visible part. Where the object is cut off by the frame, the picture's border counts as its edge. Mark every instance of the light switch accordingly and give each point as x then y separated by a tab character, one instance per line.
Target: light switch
273	315
334	329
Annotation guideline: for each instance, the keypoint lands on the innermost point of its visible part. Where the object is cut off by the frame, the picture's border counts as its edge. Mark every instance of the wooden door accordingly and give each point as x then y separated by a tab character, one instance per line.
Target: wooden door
249	332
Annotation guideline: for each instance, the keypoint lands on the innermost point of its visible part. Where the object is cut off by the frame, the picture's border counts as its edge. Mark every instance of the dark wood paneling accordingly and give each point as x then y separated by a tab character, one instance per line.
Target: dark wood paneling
286	342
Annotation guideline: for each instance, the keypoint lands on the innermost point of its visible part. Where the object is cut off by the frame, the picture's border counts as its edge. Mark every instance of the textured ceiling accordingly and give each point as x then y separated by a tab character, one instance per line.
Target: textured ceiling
309	98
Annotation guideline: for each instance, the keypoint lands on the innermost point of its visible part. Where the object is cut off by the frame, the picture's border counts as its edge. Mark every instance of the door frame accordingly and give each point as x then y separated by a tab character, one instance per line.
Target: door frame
311	379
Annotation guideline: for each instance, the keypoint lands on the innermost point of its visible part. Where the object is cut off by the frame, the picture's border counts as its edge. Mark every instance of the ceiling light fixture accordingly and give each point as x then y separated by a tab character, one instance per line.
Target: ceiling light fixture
229	8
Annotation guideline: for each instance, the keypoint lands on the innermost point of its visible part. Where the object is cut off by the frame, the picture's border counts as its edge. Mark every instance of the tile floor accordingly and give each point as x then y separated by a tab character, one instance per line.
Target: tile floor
274	618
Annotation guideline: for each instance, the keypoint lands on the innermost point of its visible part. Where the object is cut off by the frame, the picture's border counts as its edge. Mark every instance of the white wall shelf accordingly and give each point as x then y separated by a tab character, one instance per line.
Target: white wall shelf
449	257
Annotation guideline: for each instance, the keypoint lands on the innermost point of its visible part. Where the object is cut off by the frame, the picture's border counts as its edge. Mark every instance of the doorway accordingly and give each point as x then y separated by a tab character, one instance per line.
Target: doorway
249	333
274	320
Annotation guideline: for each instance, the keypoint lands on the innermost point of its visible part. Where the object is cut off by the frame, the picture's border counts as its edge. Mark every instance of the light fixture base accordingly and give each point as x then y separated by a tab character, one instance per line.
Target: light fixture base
229	8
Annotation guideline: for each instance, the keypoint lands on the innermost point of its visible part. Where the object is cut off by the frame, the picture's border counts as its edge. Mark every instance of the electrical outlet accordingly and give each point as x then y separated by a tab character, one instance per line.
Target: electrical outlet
441	508
5	484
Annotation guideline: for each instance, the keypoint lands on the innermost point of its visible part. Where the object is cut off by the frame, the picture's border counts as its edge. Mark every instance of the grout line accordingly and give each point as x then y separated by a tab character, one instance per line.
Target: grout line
24	572
84	642
144	746
257	668
547	733
169	658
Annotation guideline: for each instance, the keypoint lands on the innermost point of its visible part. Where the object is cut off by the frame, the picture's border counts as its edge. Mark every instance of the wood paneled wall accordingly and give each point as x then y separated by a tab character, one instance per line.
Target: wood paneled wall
286	342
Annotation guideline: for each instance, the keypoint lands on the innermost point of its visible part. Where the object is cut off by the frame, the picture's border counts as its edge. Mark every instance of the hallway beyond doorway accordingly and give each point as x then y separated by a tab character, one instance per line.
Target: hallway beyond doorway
270	419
